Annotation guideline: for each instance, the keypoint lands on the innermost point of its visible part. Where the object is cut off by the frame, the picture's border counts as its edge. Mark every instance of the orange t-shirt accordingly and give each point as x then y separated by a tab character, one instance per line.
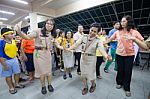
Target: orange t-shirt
28	45
125	46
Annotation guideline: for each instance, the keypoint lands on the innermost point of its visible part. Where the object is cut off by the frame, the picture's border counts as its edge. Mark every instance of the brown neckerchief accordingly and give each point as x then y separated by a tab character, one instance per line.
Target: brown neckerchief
88	43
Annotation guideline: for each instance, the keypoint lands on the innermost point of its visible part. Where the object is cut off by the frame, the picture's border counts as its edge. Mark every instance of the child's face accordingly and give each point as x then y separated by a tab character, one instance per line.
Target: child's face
9	36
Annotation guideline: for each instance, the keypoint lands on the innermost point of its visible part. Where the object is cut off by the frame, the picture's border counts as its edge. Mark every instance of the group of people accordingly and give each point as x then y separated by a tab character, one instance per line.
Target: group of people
89	50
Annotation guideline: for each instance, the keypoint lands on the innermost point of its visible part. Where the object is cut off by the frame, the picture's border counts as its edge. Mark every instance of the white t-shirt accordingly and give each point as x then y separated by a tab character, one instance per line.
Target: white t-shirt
76	36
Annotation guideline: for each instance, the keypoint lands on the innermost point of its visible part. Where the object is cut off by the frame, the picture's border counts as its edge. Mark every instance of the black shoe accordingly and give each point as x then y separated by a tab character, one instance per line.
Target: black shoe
85	91
92	88
50	88
64	76
70	75
44	91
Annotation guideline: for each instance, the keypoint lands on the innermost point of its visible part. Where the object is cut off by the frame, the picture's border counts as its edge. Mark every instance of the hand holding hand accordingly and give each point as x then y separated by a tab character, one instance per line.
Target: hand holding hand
109	58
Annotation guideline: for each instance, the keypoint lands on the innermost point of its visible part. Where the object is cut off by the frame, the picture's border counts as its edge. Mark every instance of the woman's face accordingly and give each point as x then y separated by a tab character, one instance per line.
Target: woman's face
124	22
93	31
68	34
49	25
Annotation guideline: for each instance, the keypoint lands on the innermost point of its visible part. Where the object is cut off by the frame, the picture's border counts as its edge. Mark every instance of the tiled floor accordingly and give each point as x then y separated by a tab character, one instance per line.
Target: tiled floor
71	88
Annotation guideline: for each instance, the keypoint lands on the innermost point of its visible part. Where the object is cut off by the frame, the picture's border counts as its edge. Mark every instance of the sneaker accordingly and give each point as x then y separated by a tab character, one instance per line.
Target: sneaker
62	70
128	93
106	70
65	76
50	88
70	75
118	86
44	91
79	73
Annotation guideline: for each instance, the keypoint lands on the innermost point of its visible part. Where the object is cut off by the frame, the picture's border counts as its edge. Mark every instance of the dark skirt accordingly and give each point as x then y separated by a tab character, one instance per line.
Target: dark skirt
29	63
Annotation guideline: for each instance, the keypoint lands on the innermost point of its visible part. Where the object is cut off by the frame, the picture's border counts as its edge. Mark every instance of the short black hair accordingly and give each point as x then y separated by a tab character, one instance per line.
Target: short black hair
4	30
97	25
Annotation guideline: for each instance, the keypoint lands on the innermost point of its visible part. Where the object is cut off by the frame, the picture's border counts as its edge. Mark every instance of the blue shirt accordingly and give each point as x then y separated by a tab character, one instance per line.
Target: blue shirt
113	44
2	50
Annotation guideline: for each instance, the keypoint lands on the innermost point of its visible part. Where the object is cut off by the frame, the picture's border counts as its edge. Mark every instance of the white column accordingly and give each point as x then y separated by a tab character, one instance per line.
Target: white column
33	21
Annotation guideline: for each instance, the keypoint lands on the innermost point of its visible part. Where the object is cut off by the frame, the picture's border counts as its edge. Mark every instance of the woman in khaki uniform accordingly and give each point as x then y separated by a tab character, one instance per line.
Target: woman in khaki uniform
42	53
88	58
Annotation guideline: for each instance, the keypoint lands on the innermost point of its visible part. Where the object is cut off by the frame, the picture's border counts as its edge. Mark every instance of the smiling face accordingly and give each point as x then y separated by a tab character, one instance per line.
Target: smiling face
9	36
68	35
49	25
93	31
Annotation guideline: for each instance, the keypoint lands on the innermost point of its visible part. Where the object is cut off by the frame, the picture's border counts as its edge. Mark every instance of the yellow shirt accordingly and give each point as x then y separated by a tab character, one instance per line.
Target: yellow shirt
102	38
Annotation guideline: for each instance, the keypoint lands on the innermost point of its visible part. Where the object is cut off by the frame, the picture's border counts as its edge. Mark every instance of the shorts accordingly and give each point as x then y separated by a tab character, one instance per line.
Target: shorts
14	68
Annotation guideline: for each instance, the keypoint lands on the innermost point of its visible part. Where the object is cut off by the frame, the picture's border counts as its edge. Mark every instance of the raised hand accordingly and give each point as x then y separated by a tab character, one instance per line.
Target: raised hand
17	27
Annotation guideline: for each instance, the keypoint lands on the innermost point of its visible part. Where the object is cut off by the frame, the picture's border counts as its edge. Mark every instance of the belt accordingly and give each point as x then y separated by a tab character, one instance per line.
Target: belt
88	54
40	48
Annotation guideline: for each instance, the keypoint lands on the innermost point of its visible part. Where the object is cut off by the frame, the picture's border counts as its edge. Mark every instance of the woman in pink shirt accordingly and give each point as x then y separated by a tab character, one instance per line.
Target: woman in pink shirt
125	52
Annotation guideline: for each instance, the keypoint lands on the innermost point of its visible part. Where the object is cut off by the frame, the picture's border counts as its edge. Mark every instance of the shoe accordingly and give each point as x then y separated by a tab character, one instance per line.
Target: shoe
92	88
13	91
128	93
62	70
19	86
99	77
118	86
106	70
64	76
84	91
50	88
70	75
44	91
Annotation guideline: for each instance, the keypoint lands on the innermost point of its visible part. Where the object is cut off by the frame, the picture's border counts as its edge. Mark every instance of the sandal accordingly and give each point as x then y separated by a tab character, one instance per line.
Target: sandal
19	86
92	89
84	91
99	77
13	91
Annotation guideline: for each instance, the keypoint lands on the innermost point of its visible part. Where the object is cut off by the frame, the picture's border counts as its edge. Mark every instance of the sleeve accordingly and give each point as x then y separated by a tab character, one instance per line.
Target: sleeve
100	46
138	35
1	48
33	34
75	37
110	33
113	37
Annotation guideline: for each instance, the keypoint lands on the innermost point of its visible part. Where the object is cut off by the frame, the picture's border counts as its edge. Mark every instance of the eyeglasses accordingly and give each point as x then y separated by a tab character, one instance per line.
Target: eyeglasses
49	23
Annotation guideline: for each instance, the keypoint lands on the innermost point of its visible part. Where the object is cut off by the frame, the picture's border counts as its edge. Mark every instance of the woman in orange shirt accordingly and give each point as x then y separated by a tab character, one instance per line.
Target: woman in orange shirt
28	48
125	52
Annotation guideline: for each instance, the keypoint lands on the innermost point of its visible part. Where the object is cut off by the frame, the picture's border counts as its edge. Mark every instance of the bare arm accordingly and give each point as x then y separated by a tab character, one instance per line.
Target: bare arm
17	28
141	44
2	61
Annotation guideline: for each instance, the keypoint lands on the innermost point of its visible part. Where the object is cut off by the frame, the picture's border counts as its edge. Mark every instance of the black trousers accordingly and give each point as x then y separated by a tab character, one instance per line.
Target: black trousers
124	73
98	64
77	58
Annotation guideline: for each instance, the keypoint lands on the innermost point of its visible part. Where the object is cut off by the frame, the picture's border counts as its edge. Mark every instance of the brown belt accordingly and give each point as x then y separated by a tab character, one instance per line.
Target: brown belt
88	54
40	48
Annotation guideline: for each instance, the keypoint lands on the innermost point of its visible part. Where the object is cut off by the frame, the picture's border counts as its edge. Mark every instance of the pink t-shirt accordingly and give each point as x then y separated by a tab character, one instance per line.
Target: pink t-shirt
125	45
